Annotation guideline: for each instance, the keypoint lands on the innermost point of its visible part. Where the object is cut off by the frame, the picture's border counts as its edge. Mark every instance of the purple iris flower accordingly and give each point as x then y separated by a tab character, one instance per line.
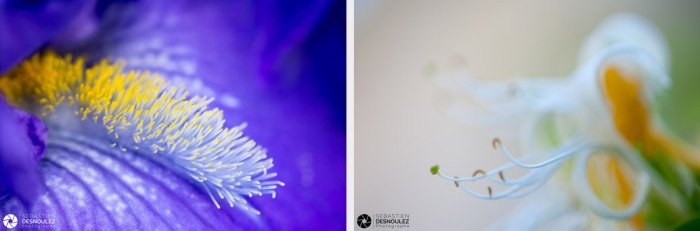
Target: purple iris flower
278	66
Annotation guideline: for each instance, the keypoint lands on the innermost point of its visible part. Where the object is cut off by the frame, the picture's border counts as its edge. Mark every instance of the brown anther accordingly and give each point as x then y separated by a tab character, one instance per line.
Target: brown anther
489	191
495	142
456	183
478	171
500	174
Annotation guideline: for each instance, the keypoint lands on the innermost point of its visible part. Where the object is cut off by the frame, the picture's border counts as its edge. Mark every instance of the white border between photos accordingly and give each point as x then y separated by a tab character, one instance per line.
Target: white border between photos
350	114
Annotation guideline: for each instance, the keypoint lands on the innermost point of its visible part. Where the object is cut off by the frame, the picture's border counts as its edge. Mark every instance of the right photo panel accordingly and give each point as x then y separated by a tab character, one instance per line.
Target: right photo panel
537	115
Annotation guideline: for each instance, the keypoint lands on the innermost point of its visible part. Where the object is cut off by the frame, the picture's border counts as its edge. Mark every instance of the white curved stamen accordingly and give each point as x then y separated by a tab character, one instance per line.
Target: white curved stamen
561	155
514	191
532	180
531	177
598	206
568	145
492	196
531	189
525	180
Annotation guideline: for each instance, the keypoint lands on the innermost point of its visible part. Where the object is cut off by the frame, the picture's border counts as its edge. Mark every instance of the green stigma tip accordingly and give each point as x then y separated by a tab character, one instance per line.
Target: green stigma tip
434	169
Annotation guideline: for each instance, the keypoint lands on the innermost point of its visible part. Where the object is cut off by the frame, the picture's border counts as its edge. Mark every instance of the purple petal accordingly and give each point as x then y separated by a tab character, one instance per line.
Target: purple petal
91	185
25	26
266	66
83	26
22	143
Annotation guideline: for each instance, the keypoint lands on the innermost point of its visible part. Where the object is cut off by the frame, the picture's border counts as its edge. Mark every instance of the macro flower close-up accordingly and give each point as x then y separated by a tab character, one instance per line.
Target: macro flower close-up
172	115
595	132
537	115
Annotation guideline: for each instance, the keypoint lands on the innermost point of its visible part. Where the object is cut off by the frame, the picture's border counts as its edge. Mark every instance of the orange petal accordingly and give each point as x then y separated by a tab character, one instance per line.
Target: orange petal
633	121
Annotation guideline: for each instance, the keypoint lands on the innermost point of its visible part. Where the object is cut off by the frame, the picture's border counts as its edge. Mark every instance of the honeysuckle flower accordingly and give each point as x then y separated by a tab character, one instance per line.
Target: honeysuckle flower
595	132
273	66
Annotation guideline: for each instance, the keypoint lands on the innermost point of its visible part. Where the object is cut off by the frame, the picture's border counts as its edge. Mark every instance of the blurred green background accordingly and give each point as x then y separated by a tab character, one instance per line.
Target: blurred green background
680	106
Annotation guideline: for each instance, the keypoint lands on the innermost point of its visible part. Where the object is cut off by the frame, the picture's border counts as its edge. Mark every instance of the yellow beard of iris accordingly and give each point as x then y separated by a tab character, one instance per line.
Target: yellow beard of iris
142	112
121	101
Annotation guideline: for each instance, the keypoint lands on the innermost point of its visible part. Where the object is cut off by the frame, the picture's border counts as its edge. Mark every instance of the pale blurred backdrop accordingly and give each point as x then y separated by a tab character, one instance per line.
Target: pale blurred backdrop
400	130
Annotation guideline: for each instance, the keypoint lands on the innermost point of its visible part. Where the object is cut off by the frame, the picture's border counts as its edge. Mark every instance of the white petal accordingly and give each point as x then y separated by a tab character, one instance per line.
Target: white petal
627	28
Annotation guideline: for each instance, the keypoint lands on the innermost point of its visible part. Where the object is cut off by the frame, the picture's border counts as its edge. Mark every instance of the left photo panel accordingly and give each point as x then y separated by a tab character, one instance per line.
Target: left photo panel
173	115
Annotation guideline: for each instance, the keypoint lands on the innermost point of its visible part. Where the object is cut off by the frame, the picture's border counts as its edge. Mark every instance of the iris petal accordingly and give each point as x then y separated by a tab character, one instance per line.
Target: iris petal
27	25
22	143
253	57
93	186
